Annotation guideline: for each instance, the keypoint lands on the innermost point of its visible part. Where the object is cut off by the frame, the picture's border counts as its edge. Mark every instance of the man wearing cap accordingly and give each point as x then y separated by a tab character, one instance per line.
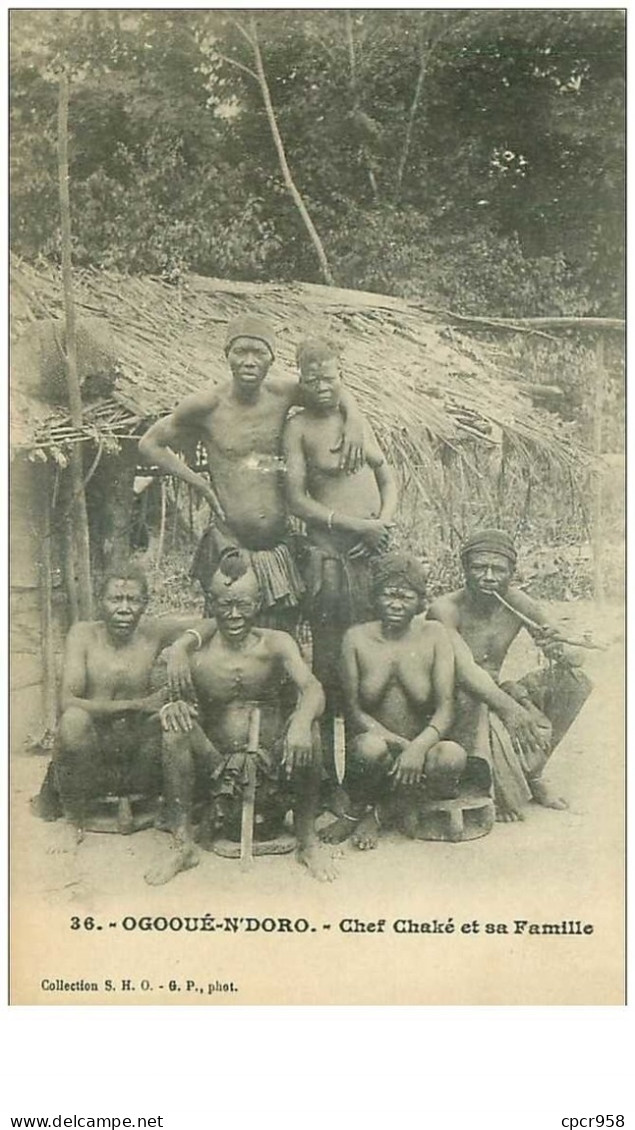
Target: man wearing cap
240	425
488	612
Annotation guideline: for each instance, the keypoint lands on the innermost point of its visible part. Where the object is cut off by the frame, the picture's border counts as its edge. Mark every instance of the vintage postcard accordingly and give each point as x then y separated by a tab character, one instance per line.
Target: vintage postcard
317	506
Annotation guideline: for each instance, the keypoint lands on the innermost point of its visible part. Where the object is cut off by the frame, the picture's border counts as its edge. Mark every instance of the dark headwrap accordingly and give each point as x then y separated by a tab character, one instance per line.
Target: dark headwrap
401	569
489	541
250	325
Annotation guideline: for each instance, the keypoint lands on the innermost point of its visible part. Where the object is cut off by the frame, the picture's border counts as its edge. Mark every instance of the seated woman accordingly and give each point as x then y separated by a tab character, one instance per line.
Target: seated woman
399	681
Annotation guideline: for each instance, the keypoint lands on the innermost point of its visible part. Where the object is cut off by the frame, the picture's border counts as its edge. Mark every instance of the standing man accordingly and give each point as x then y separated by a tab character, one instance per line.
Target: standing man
554	695
349	516
240	425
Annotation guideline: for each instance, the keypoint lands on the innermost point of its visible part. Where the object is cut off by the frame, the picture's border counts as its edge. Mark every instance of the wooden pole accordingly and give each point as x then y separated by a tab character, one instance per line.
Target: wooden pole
80	516
598	412
46	611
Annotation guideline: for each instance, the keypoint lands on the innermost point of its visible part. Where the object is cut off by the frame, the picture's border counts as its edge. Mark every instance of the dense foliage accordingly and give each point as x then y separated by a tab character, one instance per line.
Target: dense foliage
473	158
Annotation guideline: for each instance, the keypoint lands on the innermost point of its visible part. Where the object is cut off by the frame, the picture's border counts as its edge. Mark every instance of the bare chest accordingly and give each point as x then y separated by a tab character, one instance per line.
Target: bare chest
401	664
225	676
322	444
238	432
488	636
118	670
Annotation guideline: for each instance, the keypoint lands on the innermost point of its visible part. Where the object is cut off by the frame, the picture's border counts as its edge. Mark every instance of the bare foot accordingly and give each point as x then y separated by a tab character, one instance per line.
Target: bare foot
542	794
366	835
508	815
125	819
180	858
317	862
338	830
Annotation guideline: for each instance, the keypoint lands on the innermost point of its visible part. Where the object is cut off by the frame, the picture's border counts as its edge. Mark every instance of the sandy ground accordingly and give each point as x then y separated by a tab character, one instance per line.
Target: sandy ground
554	866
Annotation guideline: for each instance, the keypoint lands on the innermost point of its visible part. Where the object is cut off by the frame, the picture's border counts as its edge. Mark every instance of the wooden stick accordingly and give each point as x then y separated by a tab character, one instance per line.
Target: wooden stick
46	620
82	536
541	627
249	792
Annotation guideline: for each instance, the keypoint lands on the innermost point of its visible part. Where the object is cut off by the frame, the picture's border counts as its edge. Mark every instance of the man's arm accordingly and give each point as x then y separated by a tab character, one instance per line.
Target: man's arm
172	630
546	634
157	445
298	744
79	639
191	637
298	497
384	477
522	726
444	610
310	704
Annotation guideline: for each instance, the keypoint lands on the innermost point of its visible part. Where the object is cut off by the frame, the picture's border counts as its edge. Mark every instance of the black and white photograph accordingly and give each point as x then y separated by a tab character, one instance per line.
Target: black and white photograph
317	533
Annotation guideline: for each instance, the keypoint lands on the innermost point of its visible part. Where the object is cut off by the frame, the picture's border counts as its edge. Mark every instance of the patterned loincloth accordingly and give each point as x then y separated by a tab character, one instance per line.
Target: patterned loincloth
274	790
279	578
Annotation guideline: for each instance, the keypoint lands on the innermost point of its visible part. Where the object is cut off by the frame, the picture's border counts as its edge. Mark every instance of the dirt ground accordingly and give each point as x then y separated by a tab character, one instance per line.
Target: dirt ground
553	866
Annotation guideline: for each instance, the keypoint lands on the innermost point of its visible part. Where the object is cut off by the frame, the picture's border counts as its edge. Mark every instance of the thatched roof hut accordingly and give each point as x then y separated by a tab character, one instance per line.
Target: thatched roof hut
418	379
441	403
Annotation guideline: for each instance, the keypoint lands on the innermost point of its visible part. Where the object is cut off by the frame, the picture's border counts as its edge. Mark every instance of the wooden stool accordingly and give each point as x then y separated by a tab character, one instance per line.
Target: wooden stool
105	814
464	818
230	849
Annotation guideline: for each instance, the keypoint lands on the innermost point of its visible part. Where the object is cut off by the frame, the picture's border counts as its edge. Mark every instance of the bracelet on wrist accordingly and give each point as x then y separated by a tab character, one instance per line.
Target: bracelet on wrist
197	637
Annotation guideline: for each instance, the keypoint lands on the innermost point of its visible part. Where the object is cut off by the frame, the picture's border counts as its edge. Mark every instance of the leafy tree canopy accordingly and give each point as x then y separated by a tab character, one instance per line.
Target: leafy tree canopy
473	158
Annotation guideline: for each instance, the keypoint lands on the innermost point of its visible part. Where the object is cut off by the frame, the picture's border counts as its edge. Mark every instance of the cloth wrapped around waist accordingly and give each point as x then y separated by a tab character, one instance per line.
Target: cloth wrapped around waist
278	575
339	587
554	696
274	789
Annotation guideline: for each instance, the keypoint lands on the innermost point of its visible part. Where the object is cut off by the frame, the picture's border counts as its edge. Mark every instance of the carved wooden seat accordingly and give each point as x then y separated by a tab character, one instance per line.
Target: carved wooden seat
464	818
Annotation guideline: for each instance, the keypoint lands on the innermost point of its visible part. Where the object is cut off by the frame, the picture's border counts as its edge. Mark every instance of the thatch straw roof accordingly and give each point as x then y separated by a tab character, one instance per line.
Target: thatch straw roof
419	381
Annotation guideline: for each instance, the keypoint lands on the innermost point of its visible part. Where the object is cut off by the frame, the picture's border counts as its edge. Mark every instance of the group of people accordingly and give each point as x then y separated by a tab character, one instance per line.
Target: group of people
400	705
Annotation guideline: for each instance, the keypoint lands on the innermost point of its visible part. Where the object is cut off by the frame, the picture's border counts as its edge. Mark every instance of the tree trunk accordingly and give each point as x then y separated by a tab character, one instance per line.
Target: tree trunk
284	165
598	412
80	516
414	106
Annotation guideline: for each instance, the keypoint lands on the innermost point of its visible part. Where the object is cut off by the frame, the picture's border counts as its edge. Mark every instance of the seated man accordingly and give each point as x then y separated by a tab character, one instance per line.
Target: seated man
348	514
399	684
237	668
488	613
109	737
